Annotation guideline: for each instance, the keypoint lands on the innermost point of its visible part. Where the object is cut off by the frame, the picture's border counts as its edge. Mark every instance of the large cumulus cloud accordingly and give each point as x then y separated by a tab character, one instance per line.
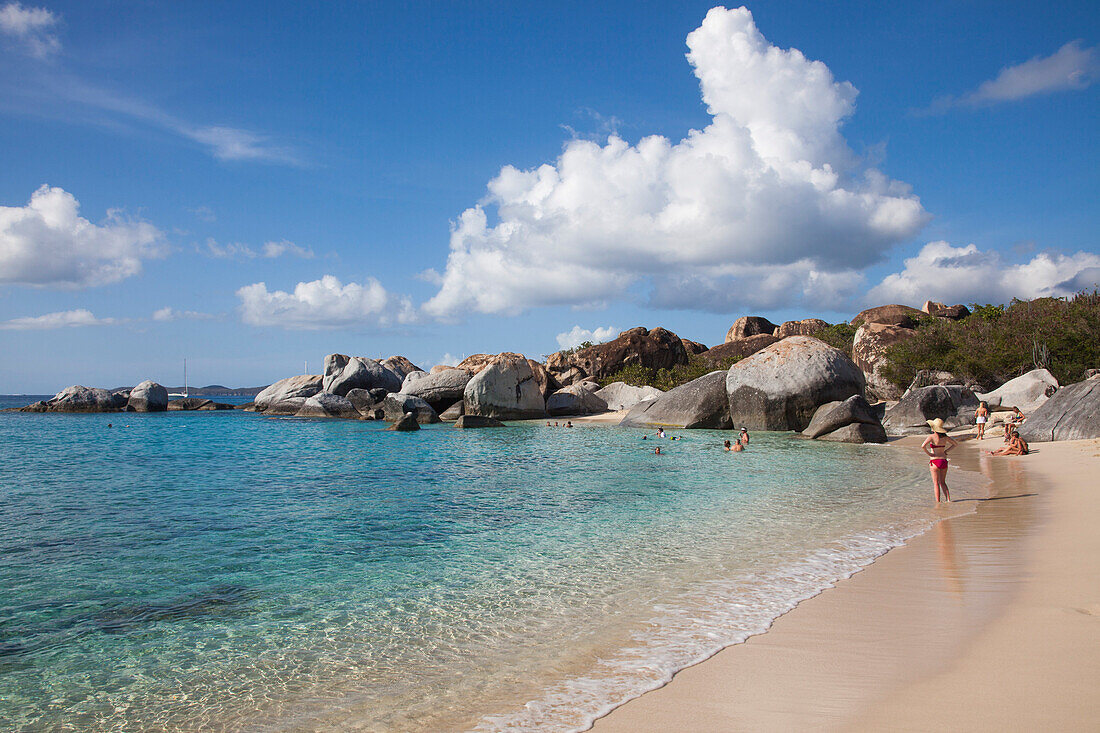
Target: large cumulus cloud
770	185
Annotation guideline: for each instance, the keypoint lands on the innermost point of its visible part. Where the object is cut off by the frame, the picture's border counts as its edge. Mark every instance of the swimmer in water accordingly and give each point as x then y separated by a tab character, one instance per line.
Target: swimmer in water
737	447
744	439
726	446
657	451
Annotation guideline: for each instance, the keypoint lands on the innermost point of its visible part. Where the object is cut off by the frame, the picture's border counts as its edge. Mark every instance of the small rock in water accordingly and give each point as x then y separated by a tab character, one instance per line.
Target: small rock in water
406	423
478	421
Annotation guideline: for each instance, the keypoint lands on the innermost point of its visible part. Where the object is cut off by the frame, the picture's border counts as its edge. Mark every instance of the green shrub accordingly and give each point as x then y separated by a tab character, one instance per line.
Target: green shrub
665	379
839	336
998	343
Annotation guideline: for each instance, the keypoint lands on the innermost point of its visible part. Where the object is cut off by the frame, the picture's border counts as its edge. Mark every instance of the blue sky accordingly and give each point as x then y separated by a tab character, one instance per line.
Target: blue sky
253	186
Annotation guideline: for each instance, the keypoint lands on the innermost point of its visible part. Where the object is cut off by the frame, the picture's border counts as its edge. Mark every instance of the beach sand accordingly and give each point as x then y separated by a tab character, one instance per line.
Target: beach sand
989	621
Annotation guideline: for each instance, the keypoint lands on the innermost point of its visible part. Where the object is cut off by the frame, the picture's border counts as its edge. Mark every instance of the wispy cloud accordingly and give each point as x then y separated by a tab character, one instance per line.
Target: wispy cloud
166	314
31	29
1071	67
61	319
240	251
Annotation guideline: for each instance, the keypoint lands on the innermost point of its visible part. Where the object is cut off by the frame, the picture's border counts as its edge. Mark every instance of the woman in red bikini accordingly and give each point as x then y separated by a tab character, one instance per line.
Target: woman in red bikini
936	446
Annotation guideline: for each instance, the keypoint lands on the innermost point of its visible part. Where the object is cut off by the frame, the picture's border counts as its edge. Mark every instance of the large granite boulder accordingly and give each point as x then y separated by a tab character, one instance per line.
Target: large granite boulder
476	363
656	349
869	353
1027	392
576	399
477	421
857	432
345	373
719	355
781	386
954	403
439	368
291	388
148	397
1071	413
833	416
548	385
79	398
701	403
693	347
327	404
622	396
453	412
406	423
746	326
506	389
805	327
939	310
440	390
890	315
400	366
396	405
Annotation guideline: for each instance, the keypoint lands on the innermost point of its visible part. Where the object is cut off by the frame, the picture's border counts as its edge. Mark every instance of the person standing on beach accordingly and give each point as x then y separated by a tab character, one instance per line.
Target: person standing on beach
936	446
981	417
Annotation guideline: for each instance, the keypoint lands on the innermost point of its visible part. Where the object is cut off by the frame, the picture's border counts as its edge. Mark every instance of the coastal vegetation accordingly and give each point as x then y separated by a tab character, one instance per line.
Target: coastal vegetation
999	342
637	375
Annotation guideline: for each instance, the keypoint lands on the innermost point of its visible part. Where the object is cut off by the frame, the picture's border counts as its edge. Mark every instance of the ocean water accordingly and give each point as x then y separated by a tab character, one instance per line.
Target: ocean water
226	571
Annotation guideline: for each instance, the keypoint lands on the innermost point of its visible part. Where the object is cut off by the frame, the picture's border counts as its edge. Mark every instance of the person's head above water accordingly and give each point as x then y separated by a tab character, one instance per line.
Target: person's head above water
727	445
657	450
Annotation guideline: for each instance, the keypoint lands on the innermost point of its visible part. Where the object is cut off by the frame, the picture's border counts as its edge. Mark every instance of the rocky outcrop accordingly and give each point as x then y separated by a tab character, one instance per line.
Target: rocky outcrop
693	347
701	403
79	398
345	373
548	385
439	368
198	403
623	396
847	421
476	363
929	377
394	406
939	310
292	388
326	404
954	403
478	421
746	326
577	399
570	376
368	402
890	315
805	327
1071	413
869	353
720	355
406	423
1027	392
400	366
781	386
656	349
148	397
506	389
440	390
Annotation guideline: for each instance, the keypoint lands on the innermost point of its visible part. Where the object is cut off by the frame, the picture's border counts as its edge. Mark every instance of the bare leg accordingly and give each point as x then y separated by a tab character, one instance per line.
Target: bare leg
935	483
943	485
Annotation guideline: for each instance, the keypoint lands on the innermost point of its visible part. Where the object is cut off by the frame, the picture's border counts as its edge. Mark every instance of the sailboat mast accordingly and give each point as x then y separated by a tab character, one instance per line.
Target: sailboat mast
185	377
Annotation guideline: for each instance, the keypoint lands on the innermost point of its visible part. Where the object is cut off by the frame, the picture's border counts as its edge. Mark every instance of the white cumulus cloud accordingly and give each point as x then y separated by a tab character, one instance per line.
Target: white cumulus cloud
324	304
47	242
576	336
951	274
60	319
31	28
769	183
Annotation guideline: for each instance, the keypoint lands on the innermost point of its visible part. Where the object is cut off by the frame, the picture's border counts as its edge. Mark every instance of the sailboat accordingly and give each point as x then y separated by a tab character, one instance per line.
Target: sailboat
184	393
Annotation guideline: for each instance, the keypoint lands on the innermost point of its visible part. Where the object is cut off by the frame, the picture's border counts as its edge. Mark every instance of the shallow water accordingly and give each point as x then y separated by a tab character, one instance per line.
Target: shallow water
227	571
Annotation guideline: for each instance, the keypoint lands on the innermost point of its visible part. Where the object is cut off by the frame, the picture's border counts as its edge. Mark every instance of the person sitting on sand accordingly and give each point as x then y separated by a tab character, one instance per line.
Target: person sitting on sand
744	438
981	417
1014	445
1015	419
936	446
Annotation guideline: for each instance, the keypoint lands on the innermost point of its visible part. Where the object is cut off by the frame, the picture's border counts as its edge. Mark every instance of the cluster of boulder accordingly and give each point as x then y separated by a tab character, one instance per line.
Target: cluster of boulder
148	396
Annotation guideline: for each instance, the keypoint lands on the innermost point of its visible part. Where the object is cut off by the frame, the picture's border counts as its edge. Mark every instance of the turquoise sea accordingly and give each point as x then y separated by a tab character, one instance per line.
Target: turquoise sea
226	571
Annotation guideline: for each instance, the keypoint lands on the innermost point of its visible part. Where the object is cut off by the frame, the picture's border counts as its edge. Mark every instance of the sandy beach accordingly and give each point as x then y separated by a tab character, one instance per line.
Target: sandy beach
989	621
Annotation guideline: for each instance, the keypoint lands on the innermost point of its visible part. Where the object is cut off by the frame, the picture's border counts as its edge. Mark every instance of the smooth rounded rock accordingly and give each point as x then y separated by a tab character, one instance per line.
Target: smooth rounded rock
148	397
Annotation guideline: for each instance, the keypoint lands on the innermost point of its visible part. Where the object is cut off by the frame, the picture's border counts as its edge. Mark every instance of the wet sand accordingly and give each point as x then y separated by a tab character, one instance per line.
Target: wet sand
989	621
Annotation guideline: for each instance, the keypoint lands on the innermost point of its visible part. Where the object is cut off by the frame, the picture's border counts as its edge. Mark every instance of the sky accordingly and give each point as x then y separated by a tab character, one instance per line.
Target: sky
252	186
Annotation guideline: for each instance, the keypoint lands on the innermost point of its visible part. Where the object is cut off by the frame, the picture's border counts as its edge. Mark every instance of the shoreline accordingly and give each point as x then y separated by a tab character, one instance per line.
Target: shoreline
932	620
